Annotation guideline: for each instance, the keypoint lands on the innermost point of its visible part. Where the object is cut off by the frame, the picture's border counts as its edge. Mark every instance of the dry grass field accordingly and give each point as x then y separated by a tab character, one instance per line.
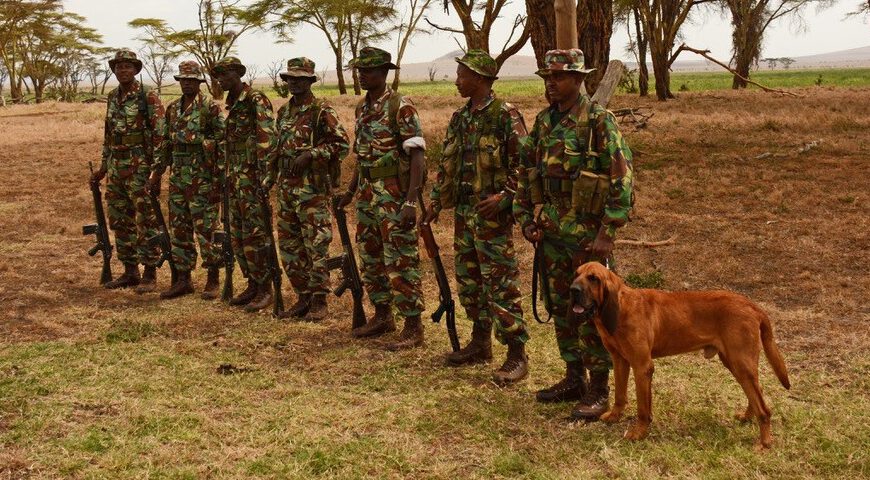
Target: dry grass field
98	384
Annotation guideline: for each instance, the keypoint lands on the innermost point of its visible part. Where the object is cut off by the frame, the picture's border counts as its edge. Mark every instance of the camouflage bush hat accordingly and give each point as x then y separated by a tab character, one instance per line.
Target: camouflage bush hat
128	56
371	57
568	60
299	67
190	70
229	63
480	63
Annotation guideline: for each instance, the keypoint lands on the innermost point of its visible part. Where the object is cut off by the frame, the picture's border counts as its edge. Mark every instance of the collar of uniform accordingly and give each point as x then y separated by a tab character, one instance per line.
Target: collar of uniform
246	90
486	103
380	101
573	112
134	90
304	104
197	100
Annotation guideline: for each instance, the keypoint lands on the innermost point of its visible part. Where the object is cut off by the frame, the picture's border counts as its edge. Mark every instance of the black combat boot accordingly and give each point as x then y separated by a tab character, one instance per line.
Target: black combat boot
319	309
410	337
182	286
130	278
298	309
515	366
478	350
212	284
263	298
245	297
149	280
596	400
572	387
379	324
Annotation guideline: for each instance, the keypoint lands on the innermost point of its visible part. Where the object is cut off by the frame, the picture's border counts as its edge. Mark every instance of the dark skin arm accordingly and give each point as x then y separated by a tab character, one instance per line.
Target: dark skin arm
301	163
351	190
408	217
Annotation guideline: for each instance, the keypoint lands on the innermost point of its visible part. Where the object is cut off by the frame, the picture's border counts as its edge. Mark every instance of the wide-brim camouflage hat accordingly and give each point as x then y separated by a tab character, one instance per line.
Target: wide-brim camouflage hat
480	63
371	57
229	63
568	60
127	56
299	67
189	70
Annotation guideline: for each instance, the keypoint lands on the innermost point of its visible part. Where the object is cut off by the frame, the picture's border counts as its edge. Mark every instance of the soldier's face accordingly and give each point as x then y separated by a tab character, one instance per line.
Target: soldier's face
467	81
299	86
372	78
125	72
189	86
563	86
228	79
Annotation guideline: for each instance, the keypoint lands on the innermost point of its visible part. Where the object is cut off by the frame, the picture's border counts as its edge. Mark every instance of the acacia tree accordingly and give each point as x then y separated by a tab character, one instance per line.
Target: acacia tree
279	86
157	63
15	20
365	19
476	28
407	29
626	12
4	74
220	24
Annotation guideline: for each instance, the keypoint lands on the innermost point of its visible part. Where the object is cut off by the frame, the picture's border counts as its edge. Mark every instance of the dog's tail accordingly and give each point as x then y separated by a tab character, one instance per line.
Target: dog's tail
771	351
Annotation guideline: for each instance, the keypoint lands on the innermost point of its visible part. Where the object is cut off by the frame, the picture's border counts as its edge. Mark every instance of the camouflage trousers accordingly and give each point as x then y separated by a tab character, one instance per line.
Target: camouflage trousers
487	275
130	214
192	213
247	224
389	254
304	235
564	249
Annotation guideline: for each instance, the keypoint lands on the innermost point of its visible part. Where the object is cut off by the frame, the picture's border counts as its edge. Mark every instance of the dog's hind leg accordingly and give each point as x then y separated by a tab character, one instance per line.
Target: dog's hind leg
746	373
620	384
747	414
643	384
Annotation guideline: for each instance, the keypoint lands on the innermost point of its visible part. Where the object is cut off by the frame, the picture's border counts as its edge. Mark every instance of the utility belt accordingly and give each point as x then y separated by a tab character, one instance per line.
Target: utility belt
379	173
128	139
585	192
465	195
186	148
237	147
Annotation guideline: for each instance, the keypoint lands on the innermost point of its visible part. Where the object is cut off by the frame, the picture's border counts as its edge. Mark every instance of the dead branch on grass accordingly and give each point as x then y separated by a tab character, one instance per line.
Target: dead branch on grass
644	243
801	150
706	54
633	116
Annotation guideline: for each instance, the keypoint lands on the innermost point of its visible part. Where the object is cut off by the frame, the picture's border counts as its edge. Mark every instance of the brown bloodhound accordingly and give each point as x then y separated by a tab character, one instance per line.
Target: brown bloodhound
637	325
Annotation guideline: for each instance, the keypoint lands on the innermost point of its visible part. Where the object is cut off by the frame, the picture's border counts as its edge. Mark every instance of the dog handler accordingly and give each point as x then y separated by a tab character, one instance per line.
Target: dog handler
576	165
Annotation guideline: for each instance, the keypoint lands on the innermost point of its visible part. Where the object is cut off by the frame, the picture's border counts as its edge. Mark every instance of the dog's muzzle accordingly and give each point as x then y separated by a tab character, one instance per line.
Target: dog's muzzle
577	303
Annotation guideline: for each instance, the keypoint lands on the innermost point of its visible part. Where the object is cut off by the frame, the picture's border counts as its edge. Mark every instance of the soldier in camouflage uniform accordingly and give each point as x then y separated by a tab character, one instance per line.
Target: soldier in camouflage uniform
576	165
194	124
477	178
133	139
311	145
249	144
389	148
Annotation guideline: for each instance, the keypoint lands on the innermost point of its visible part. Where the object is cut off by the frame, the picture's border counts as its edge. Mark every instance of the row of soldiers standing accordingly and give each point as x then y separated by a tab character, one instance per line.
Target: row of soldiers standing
574	166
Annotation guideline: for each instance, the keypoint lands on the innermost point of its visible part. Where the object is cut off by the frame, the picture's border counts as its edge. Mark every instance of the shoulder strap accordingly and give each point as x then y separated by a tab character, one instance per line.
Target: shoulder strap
318	109
143	105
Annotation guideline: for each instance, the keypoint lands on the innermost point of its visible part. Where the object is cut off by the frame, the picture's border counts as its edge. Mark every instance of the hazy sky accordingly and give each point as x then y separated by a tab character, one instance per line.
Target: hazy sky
825	31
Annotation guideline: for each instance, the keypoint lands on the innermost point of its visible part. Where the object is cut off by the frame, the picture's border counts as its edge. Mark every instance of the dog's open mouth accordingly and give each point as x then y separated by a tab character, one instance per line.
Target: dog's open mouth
578	309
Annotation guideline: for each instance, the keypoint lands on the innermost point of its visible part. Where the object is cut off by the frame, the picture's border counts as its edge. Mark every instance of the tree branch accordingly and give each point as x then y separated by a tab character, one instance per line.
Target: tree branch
443	29
705	54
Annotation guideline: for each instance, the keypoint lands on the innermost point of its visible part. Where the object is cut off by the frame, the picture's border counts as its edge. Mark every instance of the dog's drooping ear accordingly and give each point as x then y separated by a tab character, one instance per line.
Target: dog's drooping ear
609	307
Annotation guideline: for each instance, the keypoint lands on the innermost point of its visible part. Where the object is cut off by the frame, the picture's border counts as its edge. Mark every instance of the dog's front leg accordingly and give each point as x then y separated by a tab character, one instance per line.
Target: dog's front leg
620	384
643	384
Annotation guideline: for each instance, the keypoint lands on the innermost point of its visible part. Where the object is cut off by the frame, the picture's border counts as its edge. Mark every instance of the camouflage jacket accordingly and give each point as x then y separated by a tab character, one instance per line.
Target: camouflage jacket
249	121
560	152
201	123
376	143
312	125
480	154
126	128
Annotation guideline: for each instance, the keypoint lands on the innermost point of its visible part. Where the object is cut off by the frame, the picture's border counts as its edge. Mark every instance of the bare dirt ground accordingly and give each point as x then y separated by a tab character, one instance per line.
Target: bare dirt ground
721	172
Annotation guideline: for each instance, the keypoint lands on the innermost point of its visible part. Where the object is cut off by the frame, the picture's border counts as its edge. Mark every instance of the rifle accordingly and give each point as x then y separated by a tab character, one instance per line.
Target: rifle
226	241
162	238
272	255
347	263
100	231
446	304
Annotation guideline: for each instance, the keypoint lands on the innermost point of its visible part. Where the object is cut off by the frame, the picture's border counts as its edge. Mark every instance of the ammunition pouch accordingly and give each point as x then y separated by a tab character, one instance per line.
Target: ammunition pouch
381	172
589	193
128	140
237	147
187	148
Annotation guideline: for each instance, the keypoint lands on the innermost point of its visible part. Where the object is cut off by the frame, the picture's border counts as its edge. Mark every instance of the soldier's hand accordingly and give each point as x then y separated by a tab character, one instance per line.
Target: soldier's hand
408	217
489	207
431	214
532	232
301	163
153	186
97	177
345	199
602	246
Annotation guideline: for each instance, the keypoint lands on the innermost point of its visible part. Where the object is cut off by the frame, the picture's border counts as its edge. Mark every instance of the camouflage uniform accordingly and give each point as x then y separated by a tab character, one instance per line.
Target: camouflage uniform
304	218
249	143
389	254
479	159
191	151
585	139
134	124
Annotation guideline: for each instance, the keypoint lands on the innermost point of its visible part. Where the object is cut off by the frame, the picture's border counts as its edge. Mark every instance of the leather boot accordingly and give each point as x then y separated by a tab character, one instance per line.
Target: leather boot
182	286
298	309
212	284
130	278
478	350
515	366
572	387
411	336
319	310
379	324
245	297
596	400
149	281
263	298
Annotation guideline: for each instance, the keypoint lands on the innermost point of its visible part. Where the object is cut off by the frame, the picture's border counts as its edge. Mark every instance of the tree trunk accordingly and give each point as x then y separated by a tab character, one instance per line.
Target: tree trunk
595	26
745	40
642	69
356	88
38	90
396	80
542	26
662	72
339	72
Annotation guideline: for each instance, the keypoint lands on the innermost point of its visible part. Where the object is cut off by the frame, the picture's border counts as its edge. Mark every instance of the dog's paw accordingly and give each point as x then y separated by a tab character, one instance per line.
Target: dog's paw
636	432
761	447
610	416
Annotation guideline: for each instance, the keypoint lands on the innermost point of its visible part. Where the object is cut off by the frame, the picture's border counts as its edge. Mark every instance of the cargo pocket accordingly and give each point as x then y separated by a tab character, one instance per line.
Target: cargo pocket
589	193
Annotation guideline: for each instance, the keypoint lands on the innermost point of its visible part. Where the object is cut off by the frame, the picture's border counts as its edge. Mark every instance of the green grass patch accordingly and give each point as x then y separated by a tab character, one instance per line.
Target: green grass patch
653	279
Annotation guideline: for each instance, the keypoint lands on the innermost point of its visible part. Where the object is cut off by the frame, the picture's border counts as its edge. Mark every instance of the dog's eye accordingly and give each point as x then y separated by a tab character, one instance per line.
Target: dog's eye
593	278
